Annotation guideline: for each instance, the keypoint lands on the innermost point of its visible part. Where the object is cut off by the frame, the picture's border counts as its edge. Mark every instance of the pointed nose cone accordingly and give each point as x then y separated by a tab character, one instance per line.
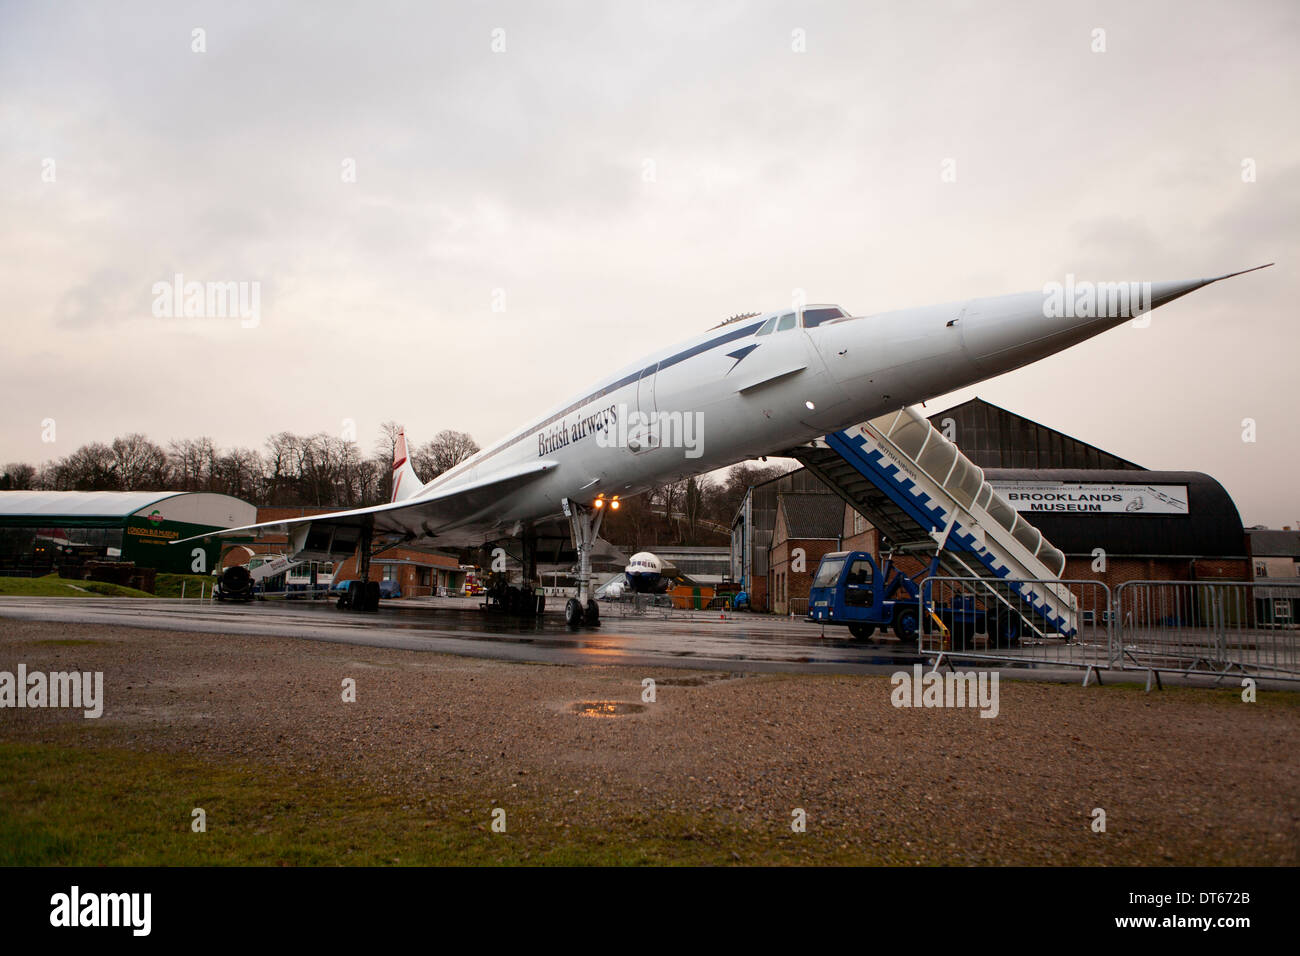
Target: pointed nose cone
1164	292
1009	332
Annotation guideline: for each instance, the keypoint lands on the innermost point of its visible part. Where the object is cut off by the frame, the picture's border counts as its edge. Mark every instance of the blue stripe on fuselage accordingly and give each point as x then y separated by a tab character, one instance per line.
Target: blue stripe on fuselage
659	366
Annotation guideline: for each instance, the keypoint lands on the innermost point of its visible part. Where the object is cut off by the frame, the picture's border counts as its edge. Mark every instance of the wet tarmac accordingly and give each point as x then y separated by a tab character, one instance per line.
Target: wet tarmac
739	642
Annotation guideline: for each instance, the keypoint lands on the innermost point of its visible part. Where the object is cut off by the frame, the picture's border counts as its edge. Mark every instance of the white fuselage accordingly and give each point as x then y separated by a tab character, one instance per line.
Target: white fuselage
735	393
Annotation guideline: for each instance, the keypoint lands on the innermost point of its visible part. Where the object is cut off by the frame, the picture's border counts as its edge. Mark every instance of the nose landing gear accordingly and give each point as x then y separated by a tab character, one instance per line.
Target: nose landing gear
575	615
584	525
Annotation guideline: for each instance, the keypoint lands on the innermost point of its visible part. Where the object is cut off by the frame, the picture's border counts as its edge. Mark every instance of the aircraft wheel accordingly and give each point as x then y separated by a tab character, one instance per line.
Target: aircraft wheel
862	632
573	613
372	596
593	613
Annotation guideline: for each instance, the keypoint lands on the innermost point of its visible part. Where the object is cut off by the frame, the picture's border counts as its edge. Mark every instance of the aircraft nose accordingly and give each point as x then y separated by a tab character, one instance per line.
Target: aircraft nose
1007	332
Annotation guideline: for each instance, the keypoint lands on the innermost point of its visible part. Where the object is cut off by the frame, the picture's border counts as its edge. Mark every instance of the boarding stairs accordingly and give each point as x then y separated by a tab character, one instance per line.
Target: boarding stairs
922	494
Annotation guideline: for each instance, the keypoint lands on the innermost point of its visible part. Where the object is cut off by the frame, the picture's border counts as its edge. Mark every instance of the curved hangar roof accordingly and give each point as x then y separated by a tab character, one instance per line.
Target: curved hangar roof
1157	514
190	507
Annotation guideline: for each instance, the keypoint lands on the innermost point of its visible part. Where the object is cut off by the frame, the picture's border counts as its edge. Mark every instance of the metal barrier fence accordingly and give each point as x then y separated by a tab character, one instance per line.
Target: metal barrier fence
631	604
988	619
1219	628
298	594
677	607
1229	627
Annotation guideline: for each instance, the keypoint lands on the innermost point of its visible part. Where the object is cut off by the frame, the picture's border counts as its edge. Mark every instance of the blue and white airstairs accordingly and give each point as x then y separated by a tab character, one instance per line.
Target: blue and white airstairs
924	496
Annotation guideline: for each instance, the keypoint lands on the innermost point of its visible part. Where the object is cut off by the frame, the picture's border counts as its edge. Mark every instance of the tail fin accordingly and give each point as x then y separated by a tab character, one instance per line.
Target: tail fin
405	483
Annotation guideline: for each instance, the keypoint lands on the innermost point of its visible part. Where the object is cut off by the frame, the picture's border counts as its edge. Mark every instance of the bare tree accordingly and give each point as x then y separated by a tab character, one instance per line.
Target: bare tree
140	464
320	469
386	443
52	476
92	467
295	469
445	451
385	452
694	502
239	473
740	478
283	455
192	461
18	476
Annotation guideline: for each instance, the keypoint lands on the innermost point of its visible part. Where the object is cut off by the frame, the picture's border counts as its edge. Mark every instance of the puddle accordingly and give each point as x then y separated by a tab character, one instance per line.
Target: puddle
605	708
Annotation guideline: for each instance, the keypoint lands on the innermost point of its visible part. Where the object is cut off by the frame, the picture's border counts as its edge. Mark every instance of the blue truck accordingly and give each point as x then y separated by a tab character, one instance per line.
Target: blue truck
851	589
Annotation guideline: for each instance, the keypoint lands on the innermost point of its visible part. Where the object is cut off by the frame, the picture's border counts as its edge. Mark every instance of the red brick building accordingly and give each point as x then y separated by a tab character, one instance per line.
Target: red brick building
417	573
808	526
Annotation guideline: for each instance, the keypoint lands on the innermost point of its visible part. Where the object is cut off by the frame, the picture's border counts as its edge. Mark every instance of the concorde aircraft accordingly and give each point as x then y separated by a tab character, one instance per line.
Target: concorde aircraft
754	385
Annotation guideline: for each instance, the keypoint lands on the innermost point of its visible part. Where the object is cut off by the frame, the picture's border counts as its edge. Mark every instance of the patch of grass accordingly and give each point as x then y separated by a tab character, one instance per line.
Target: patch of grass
64	806
104	589
53	586
169	585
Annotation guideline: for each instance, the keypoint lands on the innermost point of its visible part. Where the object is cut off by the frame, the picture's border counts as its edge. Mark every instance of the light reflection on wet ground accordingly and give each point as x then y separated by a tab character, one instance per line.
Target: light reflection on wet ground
745	642
605	709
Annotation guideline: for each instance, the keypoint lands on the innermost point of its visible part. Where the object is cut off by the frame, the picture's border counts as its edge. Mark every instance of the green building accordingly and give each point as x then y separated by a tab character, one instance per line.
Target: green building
36	526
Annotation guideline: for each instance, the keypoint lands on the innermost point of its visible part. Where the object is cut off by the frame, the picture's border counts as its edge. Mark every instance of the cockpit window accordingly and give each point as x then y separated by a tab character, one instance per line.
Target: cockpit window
767	326
787	322
815	317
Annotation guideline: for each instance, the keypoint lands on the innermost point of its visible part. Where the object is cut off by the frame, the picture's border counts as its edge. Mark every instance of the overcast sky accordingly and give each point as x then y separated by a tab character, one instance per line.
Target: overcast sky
621	176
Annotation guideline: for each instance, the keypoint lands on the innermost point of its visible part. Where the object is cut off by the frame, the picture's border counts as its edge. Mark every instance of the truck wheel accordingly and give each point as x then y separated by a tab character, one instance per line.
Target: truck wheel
862	632
905	625
1011	632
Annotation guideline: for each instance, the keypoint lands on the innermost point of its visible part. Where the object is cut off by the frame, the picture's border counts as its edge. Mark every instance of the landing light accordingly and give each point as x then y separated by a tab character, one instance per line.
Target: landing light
810	406
598	503
613	505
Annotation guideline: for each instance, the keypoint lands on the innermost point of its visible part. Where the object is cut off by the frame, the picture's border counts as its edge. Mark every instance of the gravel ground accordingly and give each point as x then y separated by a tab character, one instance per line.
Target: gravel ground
1185	776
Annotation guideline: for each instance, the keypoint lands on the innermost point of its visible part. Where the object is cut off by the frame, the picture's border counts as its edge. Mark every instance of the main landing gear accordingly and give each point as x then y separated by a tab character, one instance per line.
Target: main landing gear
575	615
584	524
506	598
526	598
362	595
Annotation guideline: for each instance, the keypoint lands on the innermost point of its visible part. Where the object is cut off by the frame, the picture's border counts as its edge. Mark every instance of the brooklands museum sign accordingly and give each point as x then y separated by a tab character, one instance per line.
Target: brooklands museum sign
1094	498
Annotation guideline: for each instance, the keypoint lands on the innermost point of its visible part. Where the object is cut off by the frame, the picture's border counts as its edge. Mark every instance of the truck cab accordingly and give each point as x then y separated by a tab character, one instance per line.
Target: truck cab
852	589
